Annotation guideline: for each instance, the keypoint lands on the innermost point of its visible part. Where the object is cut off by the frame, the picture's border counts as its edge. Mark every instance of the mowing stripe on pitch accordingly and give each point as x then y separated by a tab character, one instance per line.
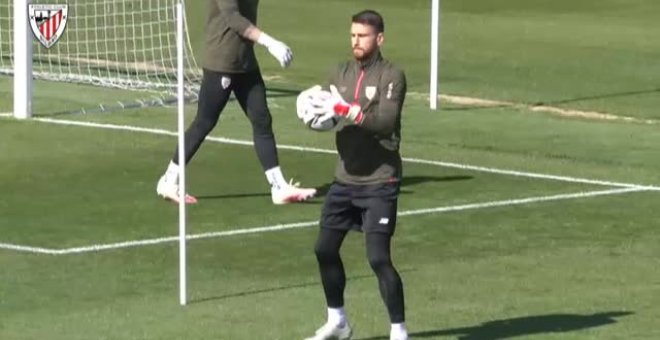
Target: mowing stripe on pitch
328	151
288	226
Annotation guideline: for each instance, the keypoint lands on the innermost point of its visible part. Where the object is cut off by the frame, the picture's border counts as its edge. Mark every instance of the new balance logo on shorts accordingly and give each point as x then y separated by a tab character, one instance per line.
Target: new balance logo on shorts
384	220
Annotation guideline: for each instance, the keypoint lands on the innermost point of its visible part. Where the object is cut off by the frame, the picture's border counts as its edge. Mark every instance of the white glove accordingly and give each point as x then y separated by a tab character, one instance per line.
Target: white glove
311	103
304	102
278	49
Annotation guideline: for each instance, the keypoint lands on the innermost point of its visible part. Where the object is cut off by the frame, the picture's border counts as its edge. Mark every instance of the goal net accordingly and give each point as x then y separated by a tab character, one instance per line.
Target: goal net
127	44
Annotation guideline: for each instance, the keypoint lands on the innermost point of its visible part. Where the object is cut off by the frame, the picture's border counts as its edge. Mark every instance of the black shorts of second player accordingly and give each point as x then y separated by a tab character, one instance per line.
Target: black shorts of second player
364	208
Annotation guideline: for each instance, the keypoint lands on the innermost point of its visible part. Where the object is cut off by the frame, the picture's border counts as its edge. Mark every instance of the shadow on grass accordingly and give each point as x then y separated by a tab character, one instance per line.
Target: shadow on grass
274	92
528	325
233	195
323	189
148	102
408	181
285	288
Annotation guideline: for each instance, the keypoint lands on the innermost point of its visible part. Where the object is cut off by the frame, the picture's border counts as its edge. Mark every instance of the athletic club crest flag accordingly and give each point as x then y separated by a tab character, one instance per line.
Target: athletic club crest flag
48	22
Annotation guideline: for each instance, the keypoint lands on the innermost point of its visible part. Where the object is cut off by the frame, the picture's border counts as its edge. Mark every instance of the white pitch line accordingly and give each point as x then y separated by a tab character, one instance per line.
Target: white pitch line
328	151
27	249
138	243
279	227
5	114
534	175
520	201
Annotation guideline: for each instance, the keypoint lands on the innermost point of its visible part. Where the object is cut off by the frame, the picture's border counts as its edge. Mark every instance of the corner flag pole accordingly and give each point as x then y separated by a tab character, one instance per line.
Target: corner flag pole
182	163
435	48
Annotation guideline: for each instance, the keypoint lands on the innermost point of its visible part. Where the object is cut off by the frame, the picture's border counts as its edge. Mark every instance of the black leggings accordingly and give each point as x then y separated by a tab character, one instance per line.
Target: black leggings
333	275
250	91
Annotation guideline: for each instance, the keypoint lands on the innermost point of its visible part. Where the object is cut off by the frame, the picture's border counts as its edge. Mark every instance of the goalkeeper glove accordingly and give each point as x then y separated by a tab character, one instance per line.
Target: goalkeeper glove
351	112
278	49
308	103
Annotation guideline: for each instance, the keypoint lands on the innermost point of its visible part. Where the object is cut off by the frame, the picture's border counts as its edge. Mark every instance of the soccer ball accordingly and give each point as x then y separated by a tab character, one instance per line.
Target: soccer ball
323	122
311	109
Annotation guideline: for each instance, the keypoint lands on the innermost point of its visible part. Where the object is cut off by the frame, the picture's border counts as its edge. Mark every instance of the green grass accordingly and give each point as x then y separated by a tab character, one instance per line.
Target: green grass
582	268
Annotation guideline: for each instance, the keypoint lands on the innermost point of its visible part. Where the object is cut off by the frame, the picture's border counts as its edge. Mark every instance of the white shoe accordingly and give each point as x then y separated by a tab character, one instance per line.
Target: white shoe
291	193
398	336
333	332
170	191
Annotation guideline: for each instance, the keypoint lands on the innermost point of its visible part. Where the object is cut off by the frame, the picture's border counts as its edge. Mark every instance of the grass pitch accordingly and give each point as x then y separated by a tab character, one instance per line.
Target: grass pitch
515	223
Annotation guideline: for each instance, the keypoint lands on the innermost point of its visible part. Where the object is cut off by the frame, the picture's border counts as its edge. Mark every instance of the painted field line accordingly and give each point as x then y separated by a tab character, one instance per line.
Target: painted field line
534	175
26	249
329	151
521	201
5	114
288	226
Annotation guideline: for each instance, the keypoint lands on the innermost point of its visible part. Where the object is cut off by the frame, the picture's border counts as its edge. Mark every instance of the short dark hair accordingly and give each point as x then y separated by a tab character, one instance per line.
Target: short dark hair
371	18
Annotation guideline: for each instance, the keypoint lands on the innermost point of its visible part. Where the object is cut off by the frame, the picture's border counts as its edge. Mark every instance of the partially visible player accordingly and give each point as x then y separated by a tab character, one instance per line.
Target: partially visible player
230	66
368	94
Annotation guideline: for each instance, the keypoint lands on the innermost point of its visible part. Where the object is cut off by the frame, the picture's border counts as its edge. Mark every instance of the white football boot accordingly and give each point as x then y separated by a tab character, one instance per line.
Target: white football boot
290	193
331	331
170	191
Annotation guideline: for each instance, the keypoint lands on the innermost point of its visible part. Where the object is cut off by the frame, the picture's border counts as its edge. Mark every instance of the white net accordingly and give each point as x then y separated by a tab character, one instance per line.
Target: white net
129	44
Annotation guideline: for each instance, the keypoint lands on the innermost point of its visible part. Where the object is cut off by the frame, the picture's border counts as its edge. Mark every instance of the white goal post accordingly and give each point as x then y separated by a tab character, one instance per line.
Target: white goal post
435	54
128	44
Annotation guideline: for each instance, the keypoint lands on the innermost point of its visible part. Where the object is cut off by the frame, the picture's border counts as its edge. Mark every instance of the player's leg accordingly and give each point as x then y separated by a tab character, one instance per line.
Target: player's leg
379	225
389	281
337	217
250	92
213	96
333	278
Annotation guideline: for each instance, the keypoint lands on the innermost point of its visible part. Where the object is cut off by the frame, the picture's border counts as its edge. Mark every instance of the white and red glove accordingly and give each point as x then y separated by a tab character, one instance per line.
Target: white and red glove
337	104
278	49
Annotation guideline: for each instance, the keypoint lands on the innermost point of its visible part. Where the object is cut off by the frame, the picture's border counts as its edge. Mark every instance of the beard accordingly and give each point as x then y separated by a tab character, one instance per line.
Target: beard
360	54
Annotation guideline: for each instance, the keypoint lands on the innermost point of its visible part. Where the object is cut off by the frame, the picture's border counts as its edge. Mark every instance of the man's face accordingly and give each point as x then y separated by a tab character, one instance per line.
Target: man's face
364	40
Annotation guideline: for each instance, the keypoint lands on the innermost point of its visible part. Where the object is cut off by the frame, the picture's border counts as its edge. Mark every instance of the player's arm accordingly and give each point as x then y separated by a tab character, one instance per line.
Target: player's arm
392	95
239	24
232	16
384	119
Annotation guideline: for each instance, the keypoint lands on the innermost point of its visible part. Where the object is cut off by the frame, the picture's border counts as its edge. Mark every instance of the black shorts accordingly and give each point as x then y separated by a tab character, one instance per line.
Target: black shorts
364	208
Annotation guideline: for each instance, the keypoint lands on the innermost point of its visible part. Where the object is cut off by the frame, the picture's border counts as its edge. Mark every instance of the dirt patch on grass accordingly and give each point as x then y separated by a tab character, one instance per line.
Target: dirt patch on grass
479	102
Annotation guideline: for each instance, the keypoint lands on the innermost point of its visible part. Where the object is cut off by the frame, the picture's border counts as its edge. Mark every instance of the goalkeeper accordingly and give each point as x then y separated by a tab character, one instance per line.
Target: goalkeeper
230	66
368	94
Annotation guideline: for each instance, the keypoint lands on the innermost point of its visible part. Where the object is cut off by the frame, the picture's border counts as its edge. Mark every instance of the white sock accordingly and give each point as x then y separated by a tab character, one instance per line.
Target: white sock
398	329
337	316
172	172
275	177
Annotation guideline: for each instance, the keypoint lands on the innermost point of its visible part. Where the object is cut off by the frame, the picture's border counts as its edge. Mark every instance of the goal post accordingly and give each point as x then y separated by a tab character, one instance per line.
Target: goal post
124	44
435	54
22	60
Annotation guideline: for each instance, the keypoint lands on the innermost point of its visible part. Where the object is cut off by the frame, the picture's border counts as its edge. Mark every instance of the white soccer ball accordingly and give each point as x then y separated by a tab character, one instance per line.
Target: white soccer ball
323	122
312	109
